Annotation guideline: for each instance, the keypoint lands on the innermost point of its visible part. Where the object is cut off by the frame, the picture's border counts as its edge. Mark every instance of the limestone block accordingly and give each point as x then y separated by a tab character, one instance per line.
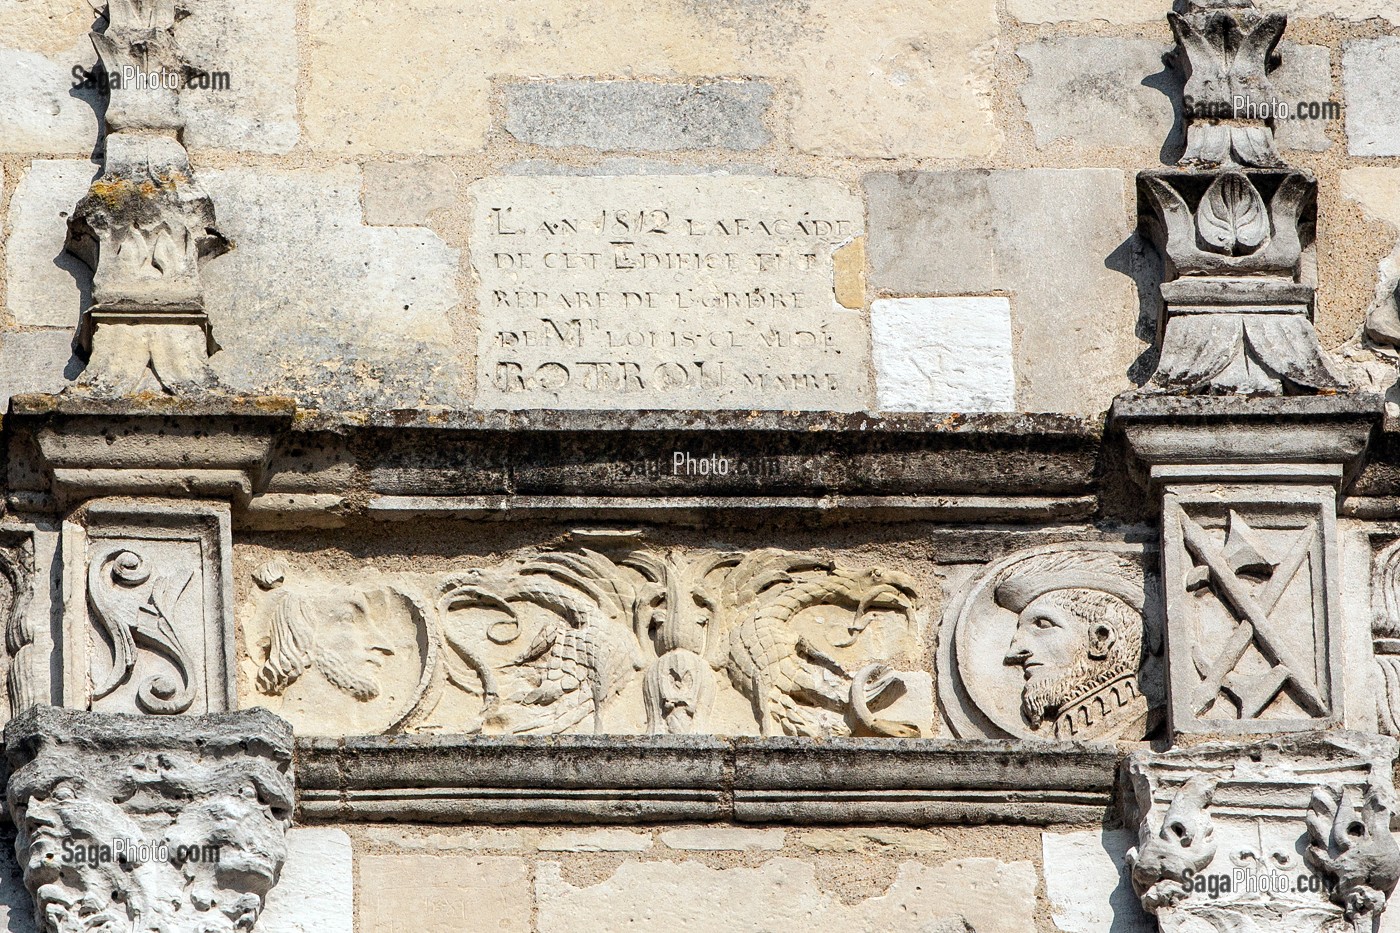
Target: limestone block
1375	189
47	286
47	27
783	894
35	361
316	892
408	194
1100	92
1086	882
639	115
499	839
666	292
1056	240
880	79
914	841
724	839
255	42
40	109
409	893
1371	81
313	303
1093	91
599	840
943	354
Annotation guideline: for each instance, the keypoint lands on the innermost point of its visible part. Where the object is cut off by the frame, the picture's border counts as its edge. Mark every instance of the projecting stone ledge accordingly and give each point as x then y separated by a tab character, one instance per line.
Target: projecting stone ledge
453	779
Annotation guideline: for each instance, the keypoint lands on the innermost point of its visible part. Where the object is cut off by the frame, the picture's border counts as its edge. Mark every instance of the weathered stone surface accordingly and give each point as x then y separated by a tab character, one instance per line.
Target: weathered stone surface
36	361
943	354
255	43
1103	92
864	81
639	115
1151	11
471	840
1054	239
783	894
724	839
1086	882
408	893
1376	191
316	892
47	28
47	286
915	841
409	194
1092	91
40	111
598	840
1371	82
665	292
313	303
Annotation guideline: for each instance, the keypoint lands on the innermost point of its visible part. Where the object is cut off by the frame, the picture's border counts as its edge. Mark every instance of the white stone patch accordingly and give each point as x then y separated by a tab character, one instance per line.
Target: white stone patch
38	110
723	839
1087	884
943	354
316	893
47	286
600	840
783	894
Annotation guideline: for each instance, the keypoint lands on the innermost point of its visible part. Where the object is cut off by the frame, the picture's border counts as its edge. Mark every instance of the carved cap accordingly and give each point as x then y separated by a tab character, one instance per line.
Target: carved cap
1115	574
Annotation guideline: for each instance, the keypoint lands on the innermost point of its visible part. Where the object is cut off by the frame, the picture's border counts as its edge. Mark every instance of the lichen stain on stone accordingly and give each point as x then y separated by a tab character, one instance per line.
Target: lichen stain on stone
849	262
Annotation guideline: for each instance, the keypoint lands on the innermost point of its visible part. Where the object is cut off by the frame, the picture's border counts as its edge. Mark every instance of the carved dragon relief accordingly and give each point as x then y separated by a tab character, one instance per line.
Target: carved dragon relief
631	640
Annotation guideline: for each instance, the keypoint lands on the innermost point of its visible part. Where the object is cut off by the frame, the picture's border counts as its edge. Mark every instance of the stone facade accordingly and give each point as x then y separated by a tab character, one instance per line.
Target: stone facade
721	465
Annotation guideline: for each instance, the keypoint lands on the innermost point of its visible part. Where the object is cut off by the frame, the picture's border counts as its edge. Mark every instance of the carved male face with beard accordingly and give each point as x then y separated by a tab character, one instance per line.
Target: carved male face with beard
335	634
1071	639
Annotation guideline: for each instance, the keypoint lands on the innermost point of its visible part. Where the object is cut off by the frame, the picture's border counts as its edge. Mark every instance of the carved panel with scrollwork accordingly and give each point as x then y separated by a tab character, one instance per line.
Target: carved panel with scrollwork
146	625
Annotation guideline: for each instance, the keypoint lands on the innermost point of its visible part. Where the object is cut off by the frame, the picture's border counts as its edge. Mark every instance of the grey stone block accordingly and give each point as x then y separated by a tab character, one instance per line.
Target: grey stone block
36	361
1371	83
639	115
1099	92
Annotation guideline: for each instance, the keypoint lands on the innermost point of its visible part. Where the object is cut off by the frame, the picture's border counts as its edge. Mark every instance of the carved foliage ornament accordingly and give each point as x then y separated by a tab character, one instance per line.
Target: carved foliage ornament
1227	49
1059	642
129	823
623	641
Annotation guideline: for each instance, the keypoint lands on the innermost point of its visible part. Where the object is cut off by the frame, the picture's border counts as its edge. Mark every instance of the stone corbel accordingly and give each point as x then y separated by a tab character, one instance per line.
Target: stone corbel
1287	834
144	823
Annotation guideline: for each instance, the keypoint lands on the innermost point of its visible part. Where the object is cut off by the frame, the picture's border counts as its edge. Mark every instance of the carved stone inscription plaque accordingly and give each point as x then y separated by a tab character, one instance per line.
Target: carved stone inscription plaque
669	292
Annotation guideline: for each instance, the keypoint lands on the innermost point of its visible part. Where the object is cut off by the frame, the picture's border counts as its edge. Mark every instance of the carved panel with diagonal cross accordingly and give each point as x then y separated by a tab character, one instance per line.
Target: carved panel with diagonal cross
1252	617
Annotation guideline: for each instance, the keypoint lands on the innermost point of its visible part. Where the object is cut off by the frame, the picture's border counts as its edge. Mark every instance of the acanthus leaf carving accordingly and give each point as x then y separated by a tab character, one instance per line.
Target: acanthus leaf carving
1355	850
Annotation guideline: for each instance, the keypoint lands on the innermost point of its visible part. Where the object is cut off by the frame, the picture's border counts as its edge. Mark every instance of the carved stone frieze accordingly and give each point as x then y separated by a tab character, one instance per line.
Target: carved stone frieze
1227	48
1287	834
1385	632
147	626
144	824
145	225
620	639
1253	622
1055	643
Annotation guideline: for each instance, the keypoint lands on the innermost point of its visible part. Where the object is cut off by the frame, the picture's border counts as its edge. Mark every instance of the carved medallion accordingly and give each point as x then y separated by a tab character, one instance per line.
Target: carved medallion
1057	643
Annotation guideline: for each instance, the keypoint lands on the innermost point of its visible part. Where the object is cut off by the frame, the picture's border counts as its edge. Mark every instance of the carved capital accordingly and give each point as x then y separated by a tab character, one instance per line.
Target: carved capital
1290	834
145	824
1239	281
1227	49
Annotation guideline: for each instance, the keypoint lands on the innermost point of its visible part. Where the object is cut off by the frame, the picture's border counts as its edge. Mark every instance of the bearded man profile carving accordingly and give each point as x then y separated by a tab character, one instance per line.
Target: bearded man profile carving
1080	642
